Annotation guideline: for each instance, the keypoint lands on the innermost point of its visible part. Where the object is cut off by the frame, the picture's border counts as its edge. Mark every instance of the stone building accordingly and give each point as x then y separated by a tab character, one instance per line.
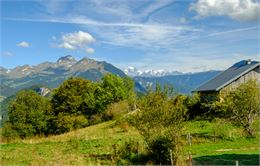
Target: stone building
234	76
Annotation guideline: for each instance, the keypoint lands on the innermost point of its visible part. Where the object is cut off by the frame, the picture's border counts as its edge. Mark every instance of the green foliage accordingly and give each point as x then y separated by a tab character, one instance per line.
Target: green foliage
73	96
130	89
116	89
126	152
113	88
27	115
71	102
194	106
67	123
159	121
160	149
242	104
79	97
76	103
202	109
8	132
4	109
117	110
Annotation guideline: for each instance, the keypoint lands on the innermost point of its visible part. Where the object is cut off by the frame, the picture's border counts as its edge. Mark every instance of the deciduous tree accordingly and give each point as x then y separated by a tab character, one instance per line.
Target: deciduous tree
242	104
28	114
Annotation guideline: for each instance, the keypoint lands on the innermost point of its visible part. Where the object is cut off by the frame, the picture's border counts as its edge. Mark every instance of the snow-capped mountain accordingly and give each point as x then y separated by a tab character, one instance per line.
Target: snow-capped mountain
133	72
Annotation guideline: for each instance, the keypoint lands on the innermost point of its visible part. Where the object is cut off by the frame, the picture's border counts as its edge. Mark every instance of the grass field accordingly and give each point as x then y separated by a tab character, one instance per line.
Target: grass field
95	144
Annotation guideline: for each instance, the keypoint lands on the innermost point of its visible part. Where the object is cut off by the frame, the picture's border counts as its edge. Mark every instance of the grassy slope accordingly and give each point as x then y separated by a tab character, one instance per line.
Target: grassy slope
93	146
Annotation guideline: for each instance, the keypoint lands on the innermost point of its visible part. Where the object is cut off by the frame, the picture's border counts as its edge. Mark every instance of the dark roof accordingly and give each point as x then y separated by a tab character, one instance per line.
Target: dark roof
228	76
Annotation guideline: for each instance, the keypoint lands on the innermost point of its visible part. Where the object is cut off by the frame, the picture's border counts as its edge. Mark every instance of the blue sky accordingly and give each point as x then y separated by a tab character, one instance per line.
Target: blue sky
178	35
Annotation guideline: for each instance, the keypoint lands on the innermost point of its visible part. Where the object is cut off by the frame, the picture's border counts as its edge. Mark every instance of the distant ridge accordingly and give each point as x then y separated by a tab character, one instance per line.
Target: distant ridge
51	74
182	83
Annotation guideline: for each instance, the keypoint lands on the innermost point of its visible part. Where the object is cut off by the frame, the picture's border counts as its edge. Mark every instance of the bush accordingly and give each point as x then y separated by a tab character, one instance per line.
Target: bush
194	106
160	149
159	121
126	153
117	110
8	132
68	123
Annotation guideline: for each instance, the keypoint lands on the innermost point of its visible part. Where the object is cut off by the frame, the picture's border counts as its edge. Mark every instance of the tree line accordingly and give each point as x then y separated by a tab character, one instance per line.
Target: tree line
76	103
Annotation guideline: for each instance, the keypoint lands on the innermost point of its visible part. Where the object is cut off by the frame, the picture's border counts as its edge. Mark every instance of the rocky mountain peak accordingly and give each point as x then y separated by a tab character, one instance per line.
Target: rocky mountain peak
86	60
43	91
66	60
23	68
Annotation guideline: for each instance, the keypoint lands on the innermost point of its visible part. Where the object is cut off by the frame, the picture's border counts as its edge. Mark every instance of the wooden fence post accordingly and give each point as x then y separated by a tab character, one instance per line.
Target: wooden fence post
189	138
171	157
190	159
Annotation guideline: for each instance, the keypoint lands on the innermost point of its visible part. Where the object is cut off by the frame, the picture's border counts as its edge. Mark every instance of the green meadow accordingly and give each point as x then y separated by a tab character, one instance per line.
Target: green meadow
211	144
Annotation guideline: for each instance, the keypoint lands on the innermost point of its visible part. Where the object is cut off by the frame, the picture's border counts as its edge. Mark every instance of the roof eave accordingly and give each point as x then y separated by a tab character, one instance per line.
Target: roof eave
209	90
228	82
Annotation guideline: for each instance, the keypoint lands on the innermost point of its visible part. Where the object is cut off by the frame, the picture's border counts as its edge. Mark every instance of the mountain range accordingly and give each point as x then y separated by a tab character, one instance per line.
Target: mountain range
51	74
134	72
182	83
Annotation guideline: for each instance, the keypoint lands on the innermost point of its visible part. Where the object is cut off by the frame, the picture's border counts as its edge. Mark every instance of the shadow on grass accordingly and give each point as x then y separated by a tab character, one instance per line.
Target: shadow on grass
227	159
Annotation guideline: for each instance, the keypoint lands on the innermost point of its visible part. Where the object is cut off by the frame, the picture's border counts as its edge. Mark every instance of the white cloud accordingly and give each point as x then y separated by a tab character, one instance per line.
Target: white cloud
155	6
23	44
76	40
143	36
54	7
151	26
138	35
242	10
7	54
90	50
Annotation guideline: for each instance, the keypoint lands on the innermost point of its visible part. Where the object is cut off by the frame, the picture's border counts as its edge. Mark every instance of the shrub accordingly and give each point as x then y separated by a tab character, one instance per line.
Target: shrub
8	132
117	110
96	118
194	106
69	122
159	121
126	153
159	148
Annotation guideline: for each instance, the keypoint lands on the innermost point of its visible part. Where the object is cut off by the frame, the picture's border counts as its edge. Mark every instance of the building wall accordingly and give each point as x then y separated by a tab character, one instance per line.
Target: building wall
214	95
253	74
